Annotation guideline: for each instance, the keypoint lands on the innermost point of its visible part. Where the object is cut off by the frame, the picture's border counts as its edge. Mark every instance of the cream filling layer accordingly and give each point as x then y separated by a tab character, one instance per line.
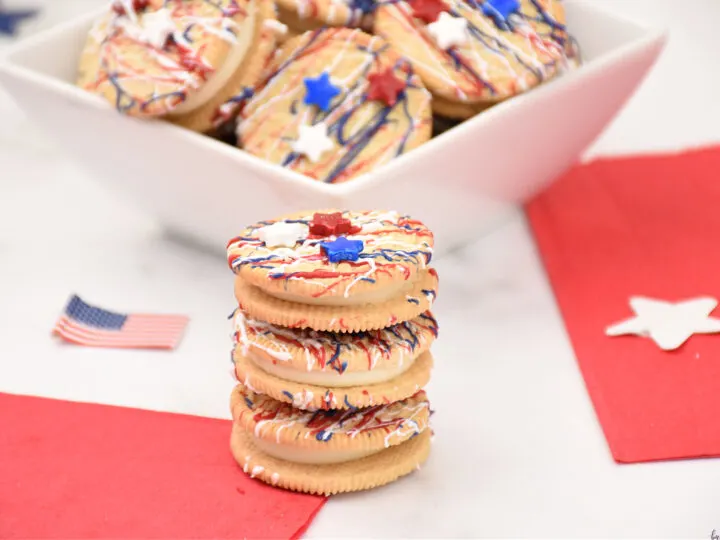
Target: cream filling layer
329	378
311	456
222	76
370	297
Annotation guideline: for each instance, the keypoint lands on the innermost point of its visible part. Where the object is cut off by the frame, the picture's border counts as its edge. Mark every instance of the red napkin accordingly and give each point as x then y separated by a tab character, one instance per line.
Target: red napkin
647	226
73	470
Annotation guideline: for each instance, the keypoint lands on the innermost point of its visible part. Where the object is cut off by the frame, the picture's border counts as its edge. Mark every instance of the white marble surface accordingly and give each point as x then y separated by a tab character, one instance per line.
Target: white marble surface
517	452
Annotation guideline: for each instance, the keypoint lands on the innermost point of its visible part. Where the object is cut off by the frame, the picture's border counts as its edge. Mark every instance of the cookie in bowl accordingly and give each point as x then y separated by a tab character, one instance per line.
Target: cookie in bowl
338	103
471	55
179	60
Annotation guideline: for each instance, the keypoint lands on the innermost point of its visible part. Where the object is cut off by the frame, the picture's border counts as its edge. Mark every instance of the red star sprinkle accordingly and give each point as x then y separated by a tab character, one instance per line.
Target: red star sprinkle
428	10
331	225
385	87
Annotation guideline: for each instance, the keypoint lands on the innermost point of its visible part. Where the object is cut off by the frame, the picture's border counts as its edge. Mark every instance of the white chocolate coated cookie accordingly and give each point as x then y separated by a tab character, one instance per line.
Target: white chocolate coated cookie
467	54
338	104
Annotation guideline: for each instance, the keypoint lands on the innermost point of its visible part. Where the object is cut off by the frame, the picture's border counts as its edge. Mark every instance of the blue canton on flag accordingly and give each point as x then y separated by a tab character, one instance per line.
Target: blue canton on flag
92	316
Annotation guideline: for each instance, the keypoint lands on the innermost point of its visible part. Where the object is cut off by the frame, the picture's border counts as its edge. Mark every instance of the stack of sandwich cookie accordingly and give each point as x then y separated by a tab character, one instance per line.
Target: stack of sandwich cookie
332	338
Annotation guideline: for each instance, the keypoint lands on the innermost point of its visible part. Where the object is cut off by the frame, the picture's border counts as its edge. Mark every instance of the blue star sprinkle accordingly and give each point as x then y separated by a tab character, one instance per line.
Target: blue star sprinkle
9	20
342	249
365	6
500	10
320	91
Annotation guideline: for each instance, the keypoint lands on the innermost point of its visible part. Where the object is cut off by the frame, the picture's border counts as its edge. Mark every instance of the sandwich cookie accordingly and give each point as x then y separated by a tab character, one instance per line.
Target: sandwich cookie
225	105
328	452
473	54
349	318
340	271
337	103
333	258
324	370
174	58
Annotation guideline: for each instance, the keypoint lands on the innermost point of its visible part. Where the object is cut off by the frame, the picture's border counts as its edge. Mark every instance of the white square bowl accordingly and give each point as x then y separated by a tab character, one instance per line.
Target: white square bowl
459	183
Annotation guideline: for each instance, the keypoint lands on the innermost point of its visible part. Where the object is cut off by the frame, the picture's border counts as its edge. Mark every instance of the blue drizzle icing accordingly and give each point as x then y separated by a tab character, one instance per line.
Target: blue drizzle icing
160	97
494	45
395	255
313	38
186	33
335	355
411	343
558	31
347	404
324	436
460	64
120	94
429	292
546	18
334	362
432	323
225	12
245	93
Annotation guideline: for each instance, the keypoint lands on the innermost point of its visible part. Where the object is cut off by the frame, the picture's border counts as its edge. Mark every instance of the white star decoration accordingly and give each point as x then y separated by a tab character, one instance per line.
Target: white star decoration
157	27
283	234
448	31
313	141
668	324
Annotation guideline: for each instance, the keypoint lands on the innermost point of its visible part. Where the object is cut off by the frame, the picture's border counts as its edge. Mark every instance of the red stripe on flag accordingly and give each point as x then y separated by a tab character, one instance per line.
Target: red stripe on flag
139	331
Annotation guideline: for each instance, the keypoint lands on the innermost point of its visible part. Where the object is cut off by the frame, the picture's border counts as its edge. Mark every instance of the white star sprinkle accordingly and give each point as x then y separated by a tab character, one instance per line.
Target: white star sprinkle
448	31
283	234
313	141
668	324
157	27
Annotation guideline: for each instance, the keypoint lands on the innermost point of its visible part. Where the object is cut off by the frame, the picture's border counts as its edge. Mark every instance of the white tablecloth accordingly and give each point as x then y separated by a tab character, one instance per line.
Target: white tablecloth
518	450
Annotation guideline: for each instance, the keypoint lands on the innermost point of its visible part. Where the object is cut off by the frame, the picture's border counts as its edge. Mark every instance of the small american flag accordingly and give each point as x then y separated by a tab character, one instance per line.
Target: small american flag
91	326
